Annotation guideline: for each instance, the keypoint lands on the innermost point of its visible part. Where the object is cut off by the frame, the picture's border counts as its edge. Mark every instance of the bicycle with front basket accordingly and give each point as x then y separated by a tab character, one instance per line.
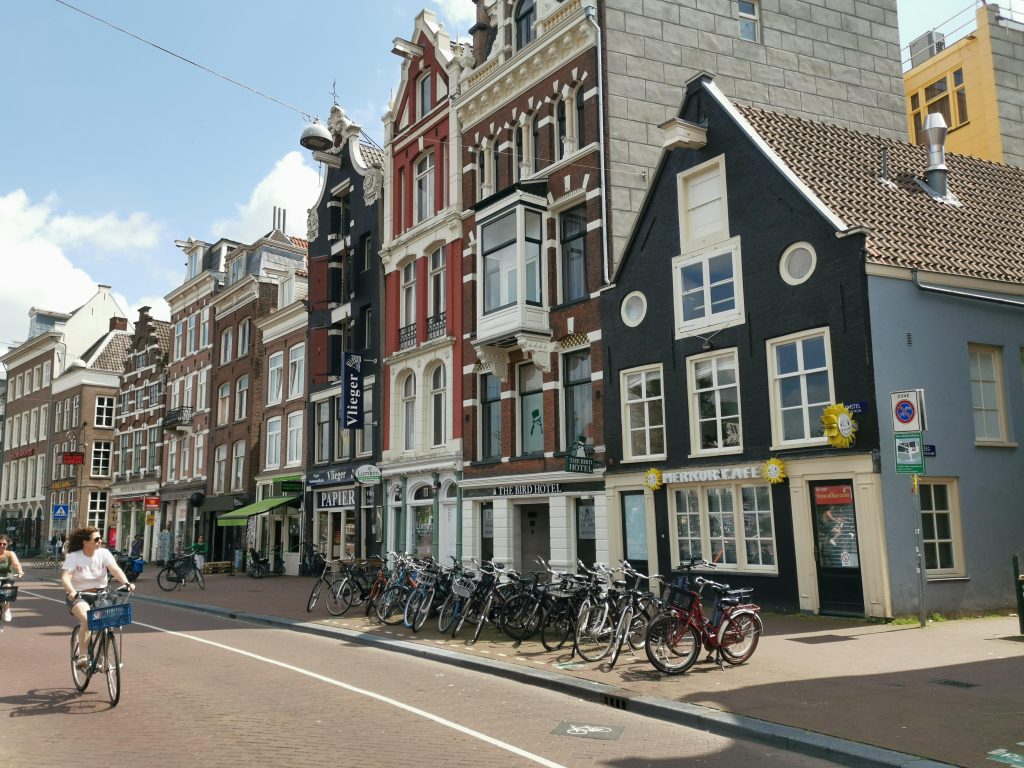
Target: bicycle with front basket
110	609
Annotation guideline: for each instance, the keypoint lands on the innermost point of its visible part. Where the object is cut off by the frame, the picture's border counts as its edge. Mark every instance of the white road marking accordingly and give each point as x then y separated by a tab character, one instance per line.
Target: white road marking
351	688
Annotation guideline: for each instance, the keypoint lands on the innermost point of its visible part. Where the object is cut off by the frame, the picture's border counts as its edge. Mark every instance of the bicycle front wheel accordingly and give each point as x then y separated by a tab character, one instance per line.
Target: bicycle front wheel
314	595
446	616
556	627
200	577
339	597
484	614
672	644
80	677
391	605
423	613
738	637
109	660
619	636
168	579
412	606
592	631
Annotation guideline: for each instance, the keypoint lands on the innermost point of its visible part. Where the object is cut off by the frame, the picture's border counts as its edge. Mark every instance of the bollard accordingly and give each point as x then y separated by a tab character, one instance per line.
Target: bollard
1018	590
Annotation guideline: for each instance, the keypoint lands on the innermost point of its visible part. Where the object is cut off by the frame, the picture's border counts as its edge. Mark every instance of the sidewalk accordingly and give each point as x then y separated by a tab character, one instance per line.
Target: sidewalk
850	691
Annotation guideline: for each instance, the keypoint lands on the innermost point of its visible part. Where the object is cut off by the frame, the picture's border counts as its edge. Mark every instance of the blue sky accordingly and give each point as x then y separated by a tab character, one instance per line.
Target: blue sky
111	149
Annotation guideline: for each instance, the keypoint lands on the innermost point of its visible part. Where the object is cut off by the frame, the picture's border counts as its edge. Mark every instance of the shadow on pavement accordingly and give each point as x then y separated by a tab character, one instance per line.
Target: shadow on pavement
49	701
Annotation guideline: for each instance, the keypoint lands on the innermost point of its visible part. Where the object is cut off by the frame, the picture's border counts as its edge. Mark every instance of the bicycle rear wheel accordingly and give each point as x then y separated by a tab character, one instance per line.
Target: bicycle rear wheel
109	660
391	604
521	617
168	579
412	606
672	644
620	634
80	677
424	610
339	597
484	614
200	577
557	627
446	616
738	637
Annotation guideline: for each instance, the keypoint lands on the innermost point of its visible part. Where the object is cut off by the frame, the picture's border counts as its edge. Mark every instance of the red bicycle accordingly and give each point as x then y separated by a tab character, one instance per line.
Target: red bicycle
673	639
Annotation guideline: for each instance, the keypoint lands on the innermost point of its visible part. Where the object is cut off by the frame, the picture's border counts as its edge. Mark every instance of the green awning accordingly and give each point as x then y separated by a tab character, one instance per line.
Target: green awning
241	515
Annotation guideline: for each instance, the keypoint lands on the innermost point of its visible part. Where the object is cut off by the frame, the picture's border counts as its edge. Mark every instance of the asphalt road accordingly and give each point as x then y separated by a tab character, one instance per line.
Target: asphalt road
200	690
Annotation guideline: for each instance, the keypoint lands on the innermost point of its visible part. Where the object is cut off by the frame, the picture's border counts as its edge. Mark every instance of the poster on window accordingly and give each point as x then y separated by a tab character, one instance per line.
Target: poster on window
634	524
487	522
836	526
586	522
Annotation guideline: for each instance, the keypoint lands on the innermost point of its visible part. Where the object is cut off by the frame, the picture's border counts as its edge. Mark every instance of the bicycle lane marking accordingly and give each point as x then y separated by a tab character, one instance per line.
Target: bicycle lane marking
353	689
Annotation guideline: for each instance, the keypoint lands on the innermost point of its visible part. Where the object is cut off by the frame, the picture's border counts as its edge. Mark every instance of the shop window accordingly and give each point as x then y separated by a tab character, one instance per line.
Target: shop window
710	525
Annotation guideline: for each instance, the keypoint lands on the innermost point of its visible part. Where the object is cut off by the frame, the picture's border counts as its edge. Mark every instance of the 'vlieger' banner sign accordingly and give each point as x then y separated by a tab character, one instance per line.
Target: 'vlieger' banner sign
352	391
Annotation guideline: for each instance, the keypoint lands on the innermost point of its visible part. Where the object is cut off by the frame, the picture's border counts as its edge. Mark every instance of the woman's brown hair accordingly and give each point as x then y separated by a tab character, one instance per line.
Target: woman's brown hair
77	538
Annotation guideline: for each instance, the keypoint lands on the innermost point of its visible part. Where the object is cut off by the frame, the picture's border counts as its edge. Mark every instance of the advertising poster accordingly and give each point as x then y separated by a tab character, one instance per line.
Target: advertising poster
836	526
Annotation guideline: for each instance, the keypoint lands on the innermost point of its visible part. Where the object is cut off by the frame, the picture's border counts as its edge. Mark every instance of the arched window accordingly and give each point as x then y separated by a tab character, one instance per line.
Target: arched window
525	17
581	131
425	187
438	392
409	411
538	159
517	153
560	129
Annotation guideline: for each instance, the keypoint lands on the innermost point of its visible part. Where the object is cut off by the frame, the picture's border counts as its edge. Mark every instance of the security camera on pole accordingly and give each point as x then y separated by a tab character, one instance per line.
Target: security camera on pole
909	426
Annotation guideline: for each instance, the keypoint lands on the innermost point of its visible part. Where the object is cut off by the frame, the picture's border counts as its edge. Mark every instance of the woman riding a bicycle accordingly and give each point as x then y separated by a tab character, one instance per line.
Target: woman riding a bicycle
85	570
9	564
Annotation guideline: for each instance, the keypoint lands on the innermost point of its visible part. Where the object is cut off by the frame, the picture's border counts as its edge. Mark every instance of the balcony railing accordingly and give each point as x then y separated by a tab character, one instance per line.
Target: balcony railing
437	326
407	336
178	418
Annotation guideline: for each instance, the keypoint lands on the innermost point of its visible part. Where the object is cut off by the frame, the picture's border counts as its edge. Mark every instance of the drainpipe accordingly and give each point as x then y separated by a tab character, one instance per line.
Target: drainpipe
590	11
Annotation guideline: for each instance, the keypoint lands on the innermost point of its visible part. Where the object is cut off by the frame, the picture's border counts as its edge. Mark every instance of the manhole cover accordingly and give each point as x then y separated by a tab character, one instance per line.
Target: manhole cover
589	731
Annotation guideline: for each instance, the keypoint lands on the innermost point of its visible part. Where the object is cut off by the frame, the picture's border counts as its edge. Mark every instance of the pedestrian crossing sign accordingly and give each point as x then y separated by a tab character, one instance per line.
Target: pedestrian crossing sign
60	511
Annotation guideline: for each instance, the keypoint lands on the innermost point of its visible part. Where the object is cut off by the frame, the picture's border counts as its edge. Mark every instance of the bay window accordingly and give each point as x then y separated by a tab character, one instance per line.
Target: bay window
512	259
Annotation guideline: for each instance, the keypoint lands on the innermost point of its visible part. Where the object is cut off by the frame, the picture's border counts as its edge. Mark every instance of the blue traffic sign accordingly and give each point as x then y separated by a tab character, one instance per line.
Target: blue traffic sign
60	511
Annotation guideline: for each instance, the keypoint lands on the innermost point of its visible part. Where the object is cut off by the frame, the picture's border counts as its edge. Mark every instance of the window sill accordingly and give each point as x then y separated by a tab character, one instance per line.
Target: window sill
798	444
995	444
943	579
642	459
489	462
731	451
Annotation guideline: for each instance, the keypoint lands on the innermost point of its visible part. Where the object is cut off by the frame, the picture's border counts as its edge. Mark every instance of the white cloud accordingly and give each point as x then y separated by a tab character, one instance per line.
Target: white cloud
291	185
458	15
37	273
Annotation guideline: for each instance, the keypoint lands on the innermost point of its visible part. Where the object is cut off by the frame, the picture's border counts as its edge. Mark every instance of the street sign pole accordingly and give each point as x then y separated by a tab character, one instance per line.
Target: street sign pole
908	426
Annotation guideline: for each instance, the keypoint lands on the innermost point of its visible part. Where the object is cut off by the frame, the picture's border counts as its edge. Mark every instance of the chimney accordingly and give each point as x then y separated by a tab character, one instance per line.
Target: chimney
119	323
480	31
934	135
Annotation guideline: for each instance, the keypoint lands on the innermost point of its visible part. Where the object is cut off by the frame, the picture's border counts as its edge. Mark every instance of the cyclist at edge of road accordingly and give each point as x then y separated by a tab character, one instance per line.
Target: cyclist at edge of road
9	564
84	572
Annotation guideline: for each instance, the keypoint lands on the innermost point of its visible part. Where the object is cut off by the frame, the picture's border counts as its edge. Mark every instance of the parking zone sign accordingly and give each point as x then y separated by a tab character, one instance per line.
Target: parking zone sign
908	410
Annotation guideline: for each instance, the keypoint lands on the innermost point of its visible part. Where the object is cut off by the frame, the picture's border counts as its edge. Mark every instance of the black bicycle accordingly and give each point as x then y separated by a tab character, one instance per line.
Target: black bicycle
178	572
110	609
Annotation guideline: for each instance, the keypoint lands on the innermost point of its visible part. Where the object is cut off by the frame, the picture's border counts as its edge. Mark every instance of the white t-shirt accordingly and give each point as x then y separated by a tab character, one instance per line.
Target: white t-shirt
88	572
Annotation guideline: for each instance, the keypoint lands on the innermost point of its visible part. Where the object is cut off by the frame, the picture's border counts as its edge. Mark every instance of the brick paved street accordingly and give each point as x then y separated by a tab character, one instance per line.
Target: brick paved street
187	702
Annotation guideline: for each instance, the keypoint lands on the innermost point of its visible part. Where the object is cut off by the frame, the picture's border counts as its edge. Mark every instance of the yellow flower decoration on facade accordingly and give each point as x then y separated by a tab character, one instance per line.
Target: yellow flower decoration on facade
652	478
839	426
774	470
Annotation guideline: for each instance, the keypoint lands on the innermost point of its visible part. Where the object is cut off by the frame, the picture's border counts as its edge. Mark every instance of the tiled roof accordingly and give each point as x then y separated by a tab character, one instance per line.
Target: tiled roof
114	353
162	332
302	243
372	155
982	238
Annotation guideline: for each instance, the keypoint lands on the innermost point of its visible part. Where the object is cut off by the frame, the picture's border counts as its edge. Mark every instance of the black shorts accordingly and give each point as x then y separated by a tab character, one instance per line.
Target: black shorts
89	598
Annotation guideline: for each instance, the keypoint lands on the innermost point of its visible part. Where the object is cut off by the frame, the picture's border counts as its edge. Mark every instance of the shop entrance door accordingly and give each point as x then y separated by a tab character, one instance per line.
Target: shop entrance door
534	535
634	531
336	535
836	548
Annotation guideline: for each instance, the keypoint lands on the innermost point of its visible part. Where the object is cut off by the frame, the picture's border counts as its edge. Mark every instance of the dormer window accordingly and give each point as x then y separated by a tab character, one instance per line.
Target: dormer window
236	270
286	293
525	18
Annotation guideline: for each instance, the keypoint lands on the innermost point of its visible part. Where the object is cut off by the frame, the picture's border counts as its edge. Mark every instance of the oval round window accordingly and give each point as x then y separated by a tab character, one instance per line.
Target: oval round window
797	263
634	309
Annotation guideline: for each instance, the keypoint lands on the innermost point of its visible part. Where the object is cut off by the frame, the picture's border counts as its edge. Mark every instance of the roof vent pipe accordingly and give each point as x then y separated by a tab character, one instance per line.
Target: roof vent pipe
934	135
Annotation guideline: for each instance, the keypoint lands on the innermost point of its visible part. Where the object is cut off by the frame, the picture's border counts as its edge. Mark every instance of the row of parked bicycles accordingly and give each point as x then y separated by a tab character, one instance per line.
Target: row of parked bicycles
596	613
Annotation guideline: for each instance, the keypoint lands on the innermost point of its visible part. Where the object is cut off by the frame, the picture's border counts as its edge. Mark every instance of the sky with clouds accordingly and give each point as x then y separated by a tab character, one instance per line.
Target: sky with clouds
112	149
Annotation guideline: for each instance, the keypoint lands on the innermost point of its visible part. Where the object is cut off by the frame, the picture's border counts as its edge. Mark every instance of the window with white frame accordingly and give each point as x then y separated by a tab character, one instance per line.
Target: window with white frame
536	146
189	380
561	129
986	372
643	413
101	454
236	270
800	378
201	391
97	513
138	439
220	468
531	409
581	123
713	384
940	528
524	18
490	416
191	336
172	459
204	328
518	152
275	373
226	342
243	337
273	443
424	187
342	436
408	294
438	409
238	466
572	226
711	525
436	292
322	441
242	397
424	95
703	209
186	458
179	340
286	291
151	450
47	368
224	403
750	12
409	412
708	288
296	370
200	467
511	251
577	396
365	436
294	450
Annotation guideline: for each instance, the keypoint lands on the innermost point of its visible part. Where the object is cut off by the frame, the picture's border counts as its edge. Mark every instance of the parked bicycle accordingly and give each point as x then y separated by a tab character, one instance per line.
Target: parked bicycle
111	609
674	639
179	571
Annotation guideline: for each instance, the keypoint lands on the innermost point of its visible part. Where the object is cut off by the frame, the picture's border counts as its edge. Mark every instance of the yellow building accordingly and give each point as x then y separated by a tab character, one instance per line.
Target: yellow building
976	83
